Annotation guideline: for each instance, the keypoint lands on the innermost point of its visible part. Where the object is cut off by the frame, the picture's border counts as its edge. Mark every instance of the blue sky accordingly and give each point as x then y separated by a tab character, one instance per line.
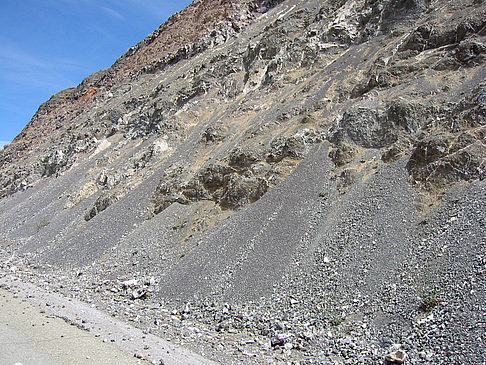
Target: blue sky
50	45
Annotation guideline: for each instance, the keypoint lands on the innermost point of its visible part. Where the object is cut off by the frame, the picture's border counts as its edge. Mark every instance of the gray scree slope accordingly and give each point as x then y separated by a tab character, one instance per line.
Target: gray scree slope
271	181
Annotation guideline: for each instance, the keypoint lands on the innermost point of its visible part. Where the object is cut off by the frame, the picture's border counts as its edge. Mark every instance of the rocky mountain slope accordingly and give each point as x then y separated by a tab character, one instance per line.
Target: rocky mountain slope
271	182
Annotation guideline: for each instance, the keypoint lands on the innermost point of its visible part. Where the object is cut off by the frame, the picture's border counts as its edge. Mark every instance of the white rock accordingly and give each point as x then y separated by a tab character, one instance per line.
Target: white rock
396	357
130	283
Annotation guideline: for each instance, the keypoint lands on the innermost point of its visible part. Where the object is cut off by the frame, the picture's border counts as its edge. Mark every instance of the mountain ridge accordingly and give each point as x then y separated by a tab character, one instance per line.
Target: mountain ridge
172	41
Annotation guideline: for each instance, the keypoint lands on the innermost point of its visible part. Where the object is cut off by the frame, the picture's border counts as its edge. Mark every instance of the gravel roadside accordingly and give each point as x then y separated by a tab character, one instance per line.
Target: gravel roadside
63	330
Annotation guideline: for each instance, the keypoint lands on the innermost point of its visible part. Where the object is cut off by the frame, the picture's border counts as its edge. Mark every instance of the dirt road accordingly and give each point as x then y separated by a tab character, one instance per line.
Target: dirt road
31	335
43	328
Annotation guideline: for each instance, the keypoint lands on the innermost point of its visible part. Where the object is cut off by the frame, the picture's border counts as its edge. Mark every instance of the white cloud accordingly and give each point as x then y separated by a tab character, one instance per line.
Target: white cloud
18	57
105	33
3	143
21	67
113	13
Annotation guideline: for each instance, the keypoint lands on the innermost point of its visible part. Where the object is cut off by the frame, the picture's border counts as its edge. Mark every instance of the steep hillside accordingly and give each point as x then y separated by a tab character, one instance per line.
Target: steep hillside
271	181
201	25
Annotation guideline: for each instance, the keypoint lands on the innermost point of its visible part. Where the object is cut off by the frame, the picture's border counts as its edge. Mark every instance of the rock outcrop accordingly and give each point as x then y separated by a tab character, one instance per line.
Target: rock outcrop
301	180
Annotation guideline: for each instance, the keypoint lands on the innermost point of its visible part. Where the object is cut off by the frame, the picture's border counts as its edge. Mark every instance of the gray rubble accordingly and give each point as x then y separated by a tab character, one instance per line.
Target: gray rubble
303	185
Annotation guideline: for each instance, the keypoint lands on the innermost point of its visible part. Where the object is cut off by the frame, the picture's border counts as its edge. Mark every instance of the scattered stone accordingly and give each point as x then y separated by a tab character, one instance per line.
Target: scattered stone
241	120
139	294
280	339
129	284
396	357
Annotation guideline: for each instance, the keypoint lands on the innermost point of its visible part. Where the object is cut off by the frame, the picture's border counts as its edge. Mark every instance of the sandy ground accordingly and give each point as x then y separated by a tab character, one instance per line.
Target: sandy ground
42	328
31	335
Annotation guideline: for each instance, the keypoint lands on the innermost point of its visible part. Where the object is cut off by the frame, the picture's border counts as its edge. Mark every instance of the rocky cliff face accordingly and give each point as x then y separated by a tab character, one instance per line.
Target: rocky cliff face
295	180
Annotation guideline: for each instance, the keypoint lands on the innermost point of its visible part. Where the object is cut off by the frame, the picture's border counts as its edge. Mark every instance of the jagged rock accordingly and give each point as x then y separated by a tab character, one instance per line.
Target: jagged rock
194	190
243	158
343	153
281	339
406	115
139	294
108	179
231	100
396	357
167	193
129	284
53	163
141	159
223	184
440	162
294	146
431	149
100	205
212	134
241	190
393	153
469	112
377	129
468	50
214	176
347	178
364	127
